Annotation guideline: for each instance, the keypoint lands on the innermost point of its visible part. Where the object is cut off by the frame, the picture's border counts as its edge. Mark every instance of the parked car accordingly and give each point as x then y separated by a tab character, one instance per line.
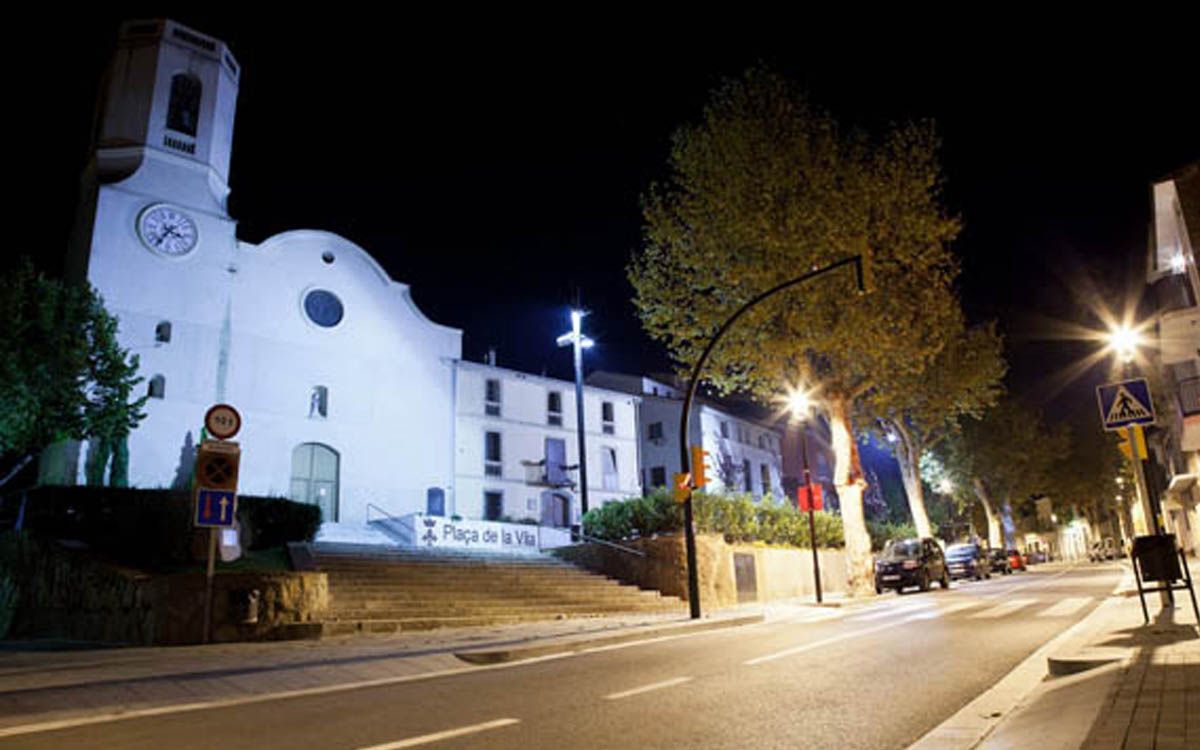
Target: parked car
1016	561
968	561
1000	562
910	562
1105	549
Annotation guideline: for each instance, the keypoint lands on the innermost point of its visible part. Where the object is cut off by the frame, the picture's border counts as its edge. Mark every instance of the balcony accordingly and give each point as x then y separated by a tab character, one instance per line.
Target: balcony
538	475
1179	335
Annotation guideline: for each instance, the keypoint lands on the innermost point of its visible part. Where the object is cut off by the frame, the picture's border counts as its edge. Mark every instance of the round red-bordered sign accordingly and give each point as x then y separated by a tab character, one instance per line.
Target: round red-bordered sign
222	421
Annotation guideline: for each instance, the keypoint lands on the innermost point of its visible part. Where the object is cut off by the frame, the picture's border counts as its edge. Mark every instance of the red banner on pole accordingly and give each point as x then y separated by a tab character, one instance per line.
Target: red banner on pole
802	498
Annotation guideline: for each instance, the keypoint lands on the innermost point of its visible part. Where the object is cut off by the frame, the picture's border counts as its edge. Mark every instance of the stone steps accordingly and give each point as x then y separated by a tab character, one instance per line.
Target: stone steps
382	591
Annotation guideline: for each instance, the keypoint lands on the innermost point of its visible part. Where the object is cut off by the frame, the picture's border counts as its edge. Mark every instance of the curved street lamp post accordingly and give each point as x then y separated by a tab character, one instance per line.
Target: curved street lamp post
689	531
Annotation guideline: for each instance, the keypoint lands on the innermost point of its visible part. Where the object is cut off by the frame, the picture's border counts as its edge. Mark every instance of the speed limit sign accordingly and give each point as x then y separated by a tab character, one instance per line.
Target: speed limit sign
222	421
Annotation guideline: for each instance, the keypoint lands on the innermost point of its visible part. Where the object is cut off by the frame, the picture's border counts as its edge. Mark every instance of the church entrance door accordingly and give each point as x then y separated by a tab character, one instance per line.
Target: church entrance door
315	478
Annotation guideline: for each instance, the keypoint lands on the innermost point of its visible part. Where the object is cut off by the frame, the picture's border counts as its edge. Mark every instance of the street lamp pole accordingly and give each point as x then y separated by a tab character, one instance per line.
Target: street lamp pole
694	381
808	488
575	339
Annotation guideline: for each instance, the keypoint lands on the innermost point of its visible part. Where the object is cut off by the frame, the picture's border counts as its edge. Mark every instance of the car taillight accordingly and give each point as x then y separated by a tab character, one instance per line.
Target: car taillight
910	564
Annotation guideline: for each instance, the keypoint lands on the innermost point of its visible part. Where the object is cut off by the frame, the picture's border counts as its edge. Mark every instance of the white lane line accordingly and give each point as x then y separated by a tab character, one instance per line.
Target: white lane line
818	644
1004	609
647	688
897	612
1066	607
425	739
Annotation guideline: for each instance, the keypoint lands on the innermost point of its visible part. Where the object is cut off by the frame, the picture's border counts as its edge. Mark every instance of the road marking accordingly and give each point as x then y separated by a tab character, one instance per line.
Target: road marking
1067	607
647	688
425	739
1004	609
897	612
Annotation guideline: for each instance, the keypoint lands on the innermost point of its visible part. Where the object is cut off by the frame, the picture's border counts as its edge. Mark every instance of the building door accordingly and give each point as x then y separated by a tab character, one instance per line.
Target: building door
556	509
315	478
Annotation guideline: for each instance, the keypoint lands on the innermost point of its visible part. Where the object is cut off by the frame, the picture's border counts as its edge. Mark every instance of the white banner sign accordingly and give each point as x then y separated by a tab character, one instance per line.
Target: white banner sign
439	532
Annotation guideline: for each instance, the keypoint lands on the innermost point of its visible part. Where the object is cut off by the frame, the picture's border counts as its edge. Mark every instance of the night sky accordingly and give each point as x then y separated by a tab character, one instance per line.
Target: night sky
497	168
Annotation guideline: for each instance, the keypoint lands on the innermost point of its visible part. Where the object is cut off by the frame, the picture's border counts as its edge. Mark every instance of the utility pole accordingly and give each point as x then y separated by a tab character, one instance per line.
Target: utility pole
575	339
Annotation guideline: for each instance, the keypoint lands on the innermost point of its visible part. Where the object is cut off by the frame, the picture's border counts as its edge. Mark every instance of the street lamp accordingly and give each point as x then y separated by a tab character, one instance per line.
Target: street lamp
577	341
800	403
1124	340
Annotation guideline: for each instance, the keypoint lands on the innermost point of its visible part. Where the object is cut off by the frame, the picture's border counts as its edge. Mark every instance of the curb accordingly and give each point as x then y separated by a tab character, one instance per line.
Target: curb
499	656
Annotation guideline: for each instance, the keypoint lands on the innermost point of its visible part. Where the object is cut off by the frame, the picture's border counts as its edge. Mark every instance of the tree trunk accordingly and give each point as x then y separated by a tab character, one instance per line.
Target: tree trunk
909	458
995	531
848	480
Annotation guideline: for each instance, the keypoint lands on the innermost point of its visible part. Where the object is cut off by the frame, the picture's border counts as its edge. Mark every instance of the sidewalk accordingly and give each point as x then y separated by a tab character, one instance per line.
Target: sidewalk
1117	683
45	683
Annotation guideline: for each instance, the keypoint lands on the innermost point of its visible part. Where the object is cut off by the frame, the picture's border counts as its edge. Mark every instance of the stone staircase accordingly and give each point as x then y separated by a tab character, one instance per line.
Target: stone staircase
388	589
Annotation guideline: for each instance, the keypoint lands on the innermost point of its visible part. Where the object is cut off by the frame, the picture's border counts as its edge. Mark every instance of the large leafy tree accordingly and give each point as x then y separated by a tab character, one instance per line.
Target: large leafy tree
764	187
62	373
921	410
1005	459
1084	479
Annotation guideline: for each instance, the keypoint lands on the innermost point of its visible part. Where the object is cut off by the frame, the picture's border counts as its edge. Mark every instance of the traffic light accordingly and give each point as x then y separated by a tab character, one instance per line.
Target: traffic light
698	456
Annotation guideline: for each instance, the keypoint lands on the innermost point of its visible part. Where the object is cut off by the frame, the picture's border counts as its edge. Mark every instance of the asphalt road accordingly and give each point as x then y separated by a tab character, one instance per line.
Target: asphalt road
877	676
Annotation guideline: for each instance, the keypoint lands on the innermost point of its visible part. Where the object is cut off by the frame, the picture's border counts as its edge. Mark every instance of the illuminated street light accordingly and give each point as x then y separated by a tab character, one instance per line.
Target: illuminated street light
945	486
800	403
1124	341
575	339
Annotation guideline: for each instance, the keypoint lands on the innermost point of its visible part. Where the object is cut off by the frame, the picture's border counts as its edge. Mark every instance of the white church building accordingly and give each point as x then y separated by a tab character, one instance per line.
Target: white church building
349	395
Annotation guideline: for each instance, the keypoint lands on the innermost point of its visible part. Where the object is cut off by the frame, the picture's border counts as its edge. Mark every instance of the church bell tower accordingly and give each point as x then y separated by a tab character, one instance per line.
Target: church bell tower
168	100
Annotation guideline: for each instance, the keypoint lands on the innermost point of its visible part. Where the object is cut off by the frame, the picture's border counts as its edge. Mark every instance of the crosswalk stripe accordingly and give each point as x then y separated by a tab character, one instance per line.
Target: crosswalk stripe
1067	607
897	612
1003	609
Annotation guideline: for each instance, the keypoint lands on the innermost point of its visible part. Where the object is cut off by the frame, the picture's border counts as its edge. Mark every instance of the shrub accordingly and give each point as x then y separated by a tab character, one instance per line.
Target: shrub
882	531
153	529
737	517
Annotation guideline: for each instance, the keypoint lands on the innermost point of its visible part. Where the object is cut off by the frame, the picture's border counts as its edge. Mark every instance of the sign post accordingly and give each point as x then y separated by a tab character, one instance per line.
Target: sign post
214	489
811	497
1125	406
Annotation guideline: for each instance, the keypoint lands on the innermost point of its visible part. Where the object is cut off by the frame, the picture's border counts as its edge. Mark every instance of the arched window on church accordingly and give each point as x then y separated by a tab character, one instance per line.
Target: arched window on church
158	387
183	108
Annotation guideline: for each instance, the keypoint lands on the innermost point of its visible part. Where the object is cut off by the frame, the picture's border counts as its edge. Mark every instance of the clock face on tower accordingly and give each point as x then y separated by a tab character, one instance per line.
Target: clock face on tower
167	230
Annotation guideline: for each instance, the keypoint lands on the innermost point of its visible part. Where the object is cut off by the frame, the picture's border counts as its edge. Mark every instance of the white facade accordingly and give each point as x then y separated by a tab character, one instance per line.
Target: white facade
744	455
345	388
524	470
1175	280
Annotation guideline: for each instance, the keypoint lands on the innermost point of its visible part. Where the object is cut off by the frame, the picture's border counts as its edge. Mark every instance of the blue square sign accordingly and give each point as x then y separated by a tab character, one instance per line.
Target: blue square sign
1125	403
215	508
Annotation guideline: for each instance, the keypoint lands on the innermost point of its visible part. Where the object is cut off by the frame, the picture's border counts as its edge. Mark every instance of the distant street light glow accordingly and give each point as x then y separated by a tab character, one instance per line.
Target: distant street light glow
945	487
799	403
1178	263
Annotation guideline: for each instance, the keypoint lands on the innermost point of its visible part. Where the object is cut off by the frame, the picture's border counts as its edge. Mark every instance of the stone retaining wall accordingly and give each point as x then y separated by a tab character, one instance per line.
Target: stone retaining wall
780	573
66	593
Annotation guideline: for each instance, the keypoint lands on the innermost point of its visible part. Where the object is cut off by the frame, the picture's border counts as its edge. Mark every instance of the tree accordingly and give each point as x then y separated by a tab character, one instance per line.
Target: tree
922	410
1084	479
62	374
1004	460
766	186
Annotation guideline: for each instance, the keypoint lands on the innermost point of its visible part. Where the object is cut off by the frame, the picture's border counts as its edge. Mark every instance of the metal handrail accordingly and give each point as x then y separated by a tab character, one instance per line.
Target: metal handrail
389	517
594	540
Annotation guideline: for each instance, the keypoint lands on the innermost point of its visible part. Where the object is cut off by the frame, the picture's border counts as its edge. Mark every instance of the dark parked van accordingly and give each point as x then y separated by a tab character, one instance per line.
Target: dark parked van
968	561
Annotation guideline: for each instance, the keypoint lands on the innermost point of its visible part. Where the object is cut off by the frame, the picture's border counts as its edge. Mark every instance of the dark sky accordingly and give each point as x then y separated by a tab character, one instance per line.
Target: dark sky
497	170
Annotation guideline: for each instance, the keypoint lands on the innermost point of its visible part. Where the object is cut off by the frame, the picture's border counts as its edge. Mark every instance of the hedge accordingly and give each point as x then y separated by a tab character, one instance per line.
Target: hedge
738	517
153	529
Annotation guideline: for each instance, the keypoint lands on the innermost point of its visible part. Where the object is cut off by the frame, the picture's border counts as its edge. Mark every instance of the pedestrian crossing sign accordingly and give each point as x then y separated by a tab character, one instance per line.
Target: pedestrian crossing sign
1125	403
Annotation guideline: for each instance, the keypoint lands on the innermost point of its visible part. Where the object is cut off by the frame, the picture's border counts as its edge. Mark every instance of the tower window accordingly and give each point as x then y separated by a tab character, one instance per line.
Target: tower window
162	332
318	402
554	414
183	108
606	418
491	398
158	387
